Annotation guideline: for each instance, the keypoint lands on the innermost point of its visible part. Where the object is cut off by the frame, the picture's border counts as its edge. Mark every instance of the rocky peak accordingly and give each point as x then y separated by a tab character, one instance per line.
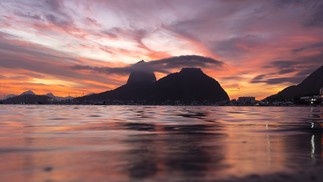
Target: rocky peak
141	73
29	92
191	71
141	77
51	95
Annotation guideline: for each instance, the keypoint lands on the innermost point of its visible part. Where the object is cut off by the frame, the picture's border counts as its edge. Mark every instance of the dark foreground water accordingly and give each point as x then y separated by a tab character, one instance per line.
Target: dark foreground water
162	143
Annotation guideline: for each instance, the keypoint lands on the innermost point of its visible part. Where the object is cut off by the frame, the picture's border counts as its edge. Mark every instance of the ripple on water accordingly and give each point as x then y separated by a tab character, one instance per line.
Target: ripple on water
158	143
94	116
58	119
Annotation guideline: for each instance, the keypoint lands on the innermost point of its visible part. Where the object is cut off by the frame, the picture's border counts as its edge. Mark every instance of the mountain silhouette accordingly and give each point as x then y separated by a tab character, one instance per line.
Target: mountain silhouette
141	74
57	98
51	95
138	86
138	77
310	86
29	97
188	86
29	92
9	96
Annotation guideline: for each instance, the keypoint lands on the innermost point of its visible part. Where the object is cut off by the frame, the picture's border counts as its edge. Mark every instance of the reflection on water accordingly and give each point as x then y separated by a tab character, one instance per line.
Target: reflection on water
162	143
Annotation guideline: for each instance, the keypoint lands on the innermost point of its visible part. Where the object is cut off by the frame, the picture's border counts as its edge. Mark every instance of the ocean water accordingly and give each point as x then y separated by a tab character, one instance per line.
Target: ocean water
156	143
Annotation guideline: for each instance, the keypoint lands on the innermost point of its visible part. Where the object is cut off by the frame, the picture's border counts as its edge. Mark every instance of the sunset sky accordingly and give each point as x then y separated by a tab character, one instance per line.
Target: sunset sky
76	47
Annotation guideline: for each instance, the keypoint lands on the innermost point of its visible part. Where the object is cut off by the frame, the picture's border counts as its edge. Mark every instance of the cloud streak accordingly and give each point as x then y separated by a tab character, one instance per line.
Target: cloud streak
290	71
162	65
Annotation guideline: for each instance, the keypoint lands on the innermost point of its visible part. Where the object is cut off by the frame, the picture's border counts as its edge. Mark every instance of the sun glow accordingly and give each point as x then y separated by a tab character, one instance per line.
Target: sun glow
53	82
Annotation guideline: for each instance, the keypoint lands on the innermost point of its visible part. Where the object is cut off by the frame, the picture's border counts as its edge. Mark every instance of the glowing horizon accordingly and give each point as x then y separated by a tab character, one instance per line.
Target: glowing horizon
264	46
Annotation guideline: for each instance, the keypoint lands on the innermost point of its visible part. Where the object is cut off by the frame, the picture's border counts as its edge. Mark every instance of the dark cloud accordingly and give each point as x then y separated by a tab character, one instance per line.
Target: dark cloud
306	71
294	80
238	45
39	61
316	19
281	64
54	5
185	61
313	14
258	78
19	62
297	70
309	47
109	34
135	34
286	70
42	53
28	15
47	11
108	70
162	65
4	35
56	14
58	21
284	3
267	78
235	77
252	25
92	22
299	63
210	18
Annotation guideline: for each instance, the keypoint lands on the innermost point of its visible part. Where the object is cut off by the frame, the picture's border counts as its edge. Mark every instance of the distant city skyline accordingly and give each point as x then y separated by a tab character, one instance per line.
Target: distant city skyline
75	47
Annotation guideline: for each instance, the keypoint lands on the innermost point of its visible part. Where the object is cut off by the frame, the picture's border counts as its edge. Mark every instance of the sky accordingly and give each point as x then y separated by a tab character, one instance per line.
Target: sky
76	47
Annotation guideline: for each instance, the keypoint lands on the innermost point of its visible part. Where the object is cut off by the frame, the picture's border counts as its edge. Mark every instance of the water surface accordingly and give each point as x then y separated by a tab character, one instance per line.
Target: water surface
159	143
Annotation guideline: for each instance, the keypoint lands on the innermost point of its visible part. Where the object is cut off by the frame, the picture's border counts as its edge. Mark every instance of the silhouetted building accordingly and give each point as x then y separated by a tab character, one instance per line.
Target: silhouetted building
246	100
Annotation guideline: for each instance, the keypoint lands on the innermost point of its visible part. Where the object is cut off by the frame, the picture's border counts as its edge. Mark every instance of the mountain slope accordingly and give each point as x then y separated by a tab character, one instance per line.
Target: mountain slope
57	98
28	99
138	86
309	86
29	92
190	84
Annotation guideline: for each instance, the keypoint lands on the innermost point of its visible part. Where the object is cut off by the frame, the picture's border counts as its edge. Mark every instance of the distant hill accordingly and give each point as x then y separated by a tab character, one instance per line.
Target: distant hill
51	95
57	98
29	92
9	96
310	86
188	86
29	97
